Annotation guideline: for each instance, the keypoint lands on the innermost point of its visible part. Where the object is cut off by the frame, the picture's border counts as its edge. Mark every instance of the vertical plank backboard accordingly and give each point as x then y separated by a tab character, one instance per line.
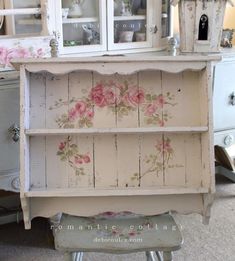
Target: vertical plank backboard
80	85
37	100
181	108
151	110
104	116
56	169
127	101
192	115
128	160
80	169
56	92
37	162
81	111
193	160
105	160
151	162
174	160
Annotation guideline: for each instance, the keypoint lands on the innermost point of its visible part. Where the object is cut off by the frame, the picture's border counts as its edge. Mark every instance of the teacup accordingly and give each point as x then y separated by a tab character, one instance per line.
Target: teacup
140	37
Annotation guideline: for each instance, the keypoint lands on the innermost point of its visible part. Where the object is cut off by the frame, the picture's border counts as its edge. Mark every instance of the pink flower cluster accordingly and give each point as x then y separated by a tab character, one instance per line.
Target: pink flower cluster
80	110
7	54
112	94
80	159
158	103
164	146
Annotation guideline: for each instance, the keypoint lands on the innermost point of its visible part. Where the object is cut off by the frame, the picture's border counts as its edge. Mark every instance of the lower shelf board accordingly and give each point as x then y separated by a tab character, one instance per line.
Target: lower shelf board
80	192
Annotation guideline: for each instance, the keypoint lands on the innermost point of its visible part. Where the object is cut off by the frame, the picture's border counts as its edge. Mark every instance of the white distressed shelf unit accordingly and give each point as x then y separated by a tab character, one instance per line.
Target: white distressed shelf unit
116	133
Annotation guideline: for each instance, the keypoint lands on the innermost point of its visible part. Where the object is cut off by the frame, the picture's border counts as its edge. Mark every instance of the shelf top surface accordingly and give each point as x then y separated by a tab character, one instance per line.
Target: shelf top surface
143	57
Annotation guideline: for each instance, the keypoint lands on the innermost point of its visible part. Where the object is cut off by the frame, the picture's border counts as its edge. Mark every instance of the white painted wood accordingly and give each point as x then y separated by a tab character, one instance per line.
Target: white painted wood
165	190
37	101
174	157
128	160
105	150
37	162
56	170
190	13
118	151
96	131
56	90
151	162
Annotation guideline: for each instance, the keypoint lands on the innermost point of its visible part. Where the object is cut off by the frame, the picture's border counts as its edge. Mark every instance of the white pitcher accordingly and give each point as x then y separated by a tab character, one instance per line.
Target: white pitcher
75	10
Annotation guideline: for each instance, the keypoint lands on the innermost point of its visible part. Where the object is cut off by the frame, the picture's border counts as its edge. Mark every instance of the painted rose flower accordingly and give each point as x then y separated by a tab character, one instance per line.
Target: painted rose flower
110	96
134	97
160	101
73	113
151	109
78	160
97	96
86	159
16	53
81	108
90	114
62	145
164	146
3	55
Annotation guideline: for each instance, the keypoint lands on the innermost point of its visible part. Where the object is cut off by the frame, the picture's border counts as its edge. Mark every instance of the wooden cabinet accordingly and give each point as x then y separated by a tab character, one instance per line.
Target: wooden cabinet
9	115
101	26
84	27
116	133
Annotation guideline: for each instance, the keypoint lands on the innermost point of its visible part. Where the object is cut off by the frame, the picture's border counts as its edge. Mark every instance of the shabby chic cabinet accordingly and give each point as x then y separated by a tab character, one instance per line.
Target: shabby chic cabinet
224	102
129	133
9	131
84	27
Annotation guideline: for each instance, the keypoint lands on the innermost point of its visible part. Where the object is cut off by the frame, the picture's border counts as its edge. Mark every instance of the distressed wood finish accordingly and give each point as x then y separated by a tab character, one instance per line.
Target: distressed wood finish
145	134
190	14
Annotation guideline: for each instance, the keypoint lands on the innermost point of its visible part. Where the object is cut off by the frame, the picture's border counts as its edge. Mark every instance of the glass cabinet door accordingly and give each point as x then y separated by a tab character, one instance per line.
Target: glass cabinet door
82	26
166	18
20	18
129	24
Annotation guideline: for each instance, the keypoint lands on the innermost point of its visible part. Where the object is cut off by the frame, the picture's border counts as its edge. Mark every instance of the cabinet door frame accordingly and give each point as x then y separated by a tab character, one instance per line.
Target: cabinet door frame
83	48
132	45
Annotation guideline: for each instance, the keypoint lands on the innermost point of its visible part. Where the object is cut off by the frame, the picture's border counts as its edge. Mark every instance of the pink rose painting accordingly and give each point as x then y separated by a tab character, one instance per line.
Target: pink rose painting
7	54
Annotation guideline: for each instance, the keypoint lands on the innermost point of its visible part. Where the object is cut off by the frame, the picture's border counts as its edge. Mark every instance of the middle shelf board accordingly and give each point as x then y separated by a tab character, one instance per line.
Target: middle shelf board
96	131
114	192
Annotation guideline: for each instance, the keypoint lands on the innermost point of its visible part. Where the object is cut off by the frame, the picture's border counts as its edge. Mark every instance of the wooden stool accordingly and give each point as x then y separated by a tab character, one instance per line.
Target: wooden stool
118	234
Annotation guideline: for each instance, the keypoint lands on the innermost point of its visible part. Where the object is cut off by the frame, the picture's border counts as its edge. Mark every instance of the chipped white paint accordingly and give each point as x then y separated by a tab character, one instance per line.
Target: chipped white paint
118	136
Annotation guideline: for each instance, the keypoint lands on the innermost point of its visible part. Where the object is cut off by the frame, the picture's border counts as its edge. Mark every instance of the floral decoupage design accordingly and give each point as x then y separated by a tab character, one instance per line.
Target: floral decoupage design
164	153
120	99
69	152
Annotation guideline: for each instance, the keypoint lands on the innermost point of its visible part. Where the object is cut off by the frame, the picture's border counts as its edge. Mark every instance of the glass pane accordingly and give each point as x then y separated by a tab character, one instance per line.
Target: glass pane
165	18
81	22
20	24
130	21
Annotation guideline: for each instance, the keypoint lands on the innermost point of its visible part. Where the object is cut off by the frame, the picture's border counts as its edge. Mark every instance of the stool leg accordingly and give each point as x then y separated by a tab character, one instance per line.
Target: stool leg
149	256
159	256
167	256
75	256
